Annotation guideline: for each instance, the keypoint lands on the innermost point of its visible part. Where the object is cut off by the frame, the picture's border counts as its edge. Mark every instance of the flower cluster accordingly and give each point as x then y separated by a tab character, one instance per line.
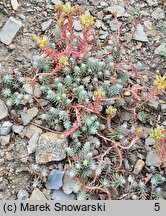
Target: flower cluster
41	42
111	111
157	134
86	21
160	83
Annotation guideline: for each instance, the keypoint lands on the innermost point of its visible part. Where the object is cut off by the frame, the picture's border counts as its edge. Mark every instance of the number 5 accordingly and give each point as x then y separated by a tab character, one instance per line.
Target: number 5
157	207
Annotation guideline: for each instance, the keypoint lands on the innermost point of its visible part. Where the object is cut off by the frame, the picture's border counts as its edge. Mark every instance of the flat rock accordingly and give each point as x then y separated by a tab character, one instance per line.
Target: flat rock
29	90
120	10
5	128
139	66
26	118
14	4
4	131
138	167
152	2
37	195
160	49
140	34
163	108
9	30
149	141
158	14
55	179
67	184
32	143
60	195
31	130
51	147
153	103
3	110
33	111
17	128
113	26
153	159
4	140
22	195
45	25
126	116
56	2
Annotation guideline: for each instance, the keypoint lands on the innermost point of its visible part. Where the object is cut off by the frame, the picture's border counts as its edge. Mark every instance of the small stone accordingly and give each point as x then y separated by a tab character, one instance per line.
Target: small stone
2	160
22	195
31	130
17	128
103	4
139	66
77	26
32	143
12	46
152	2
4	131
100	15
98	24
4	140
29	90
153	159
120	10
51	147
26	118
103	36
9	30
163	108
140	34
22	16
158	14
2	185
14	4
126	116
149	141
3	110
33	111
80	2
67	184
127	93
113	25
160	49
55	180
138	167
6	128
46	25
60	195
56	2
153	103
37	195
148	24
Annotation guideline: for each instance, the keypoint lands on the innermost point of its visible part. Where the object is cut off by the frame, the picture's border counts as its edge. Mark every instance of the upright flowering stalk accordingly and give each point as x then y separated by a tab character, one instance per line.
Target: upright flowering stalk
160	86
158	134
110	113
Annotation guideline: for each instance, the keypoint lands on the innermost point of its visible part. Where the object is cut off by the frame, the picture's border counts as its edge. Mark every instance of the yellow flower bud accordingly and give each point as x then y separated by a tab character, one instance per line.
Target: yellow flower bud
86	21
41	42
99	93
63	61
111	111
59	8
157	134
68	9
160	83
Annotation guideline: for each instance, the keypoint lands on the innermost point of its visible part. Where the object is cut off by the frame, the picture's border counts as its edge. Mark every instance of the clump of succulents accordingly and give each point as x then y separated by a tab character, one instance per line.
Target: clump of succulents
39	175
